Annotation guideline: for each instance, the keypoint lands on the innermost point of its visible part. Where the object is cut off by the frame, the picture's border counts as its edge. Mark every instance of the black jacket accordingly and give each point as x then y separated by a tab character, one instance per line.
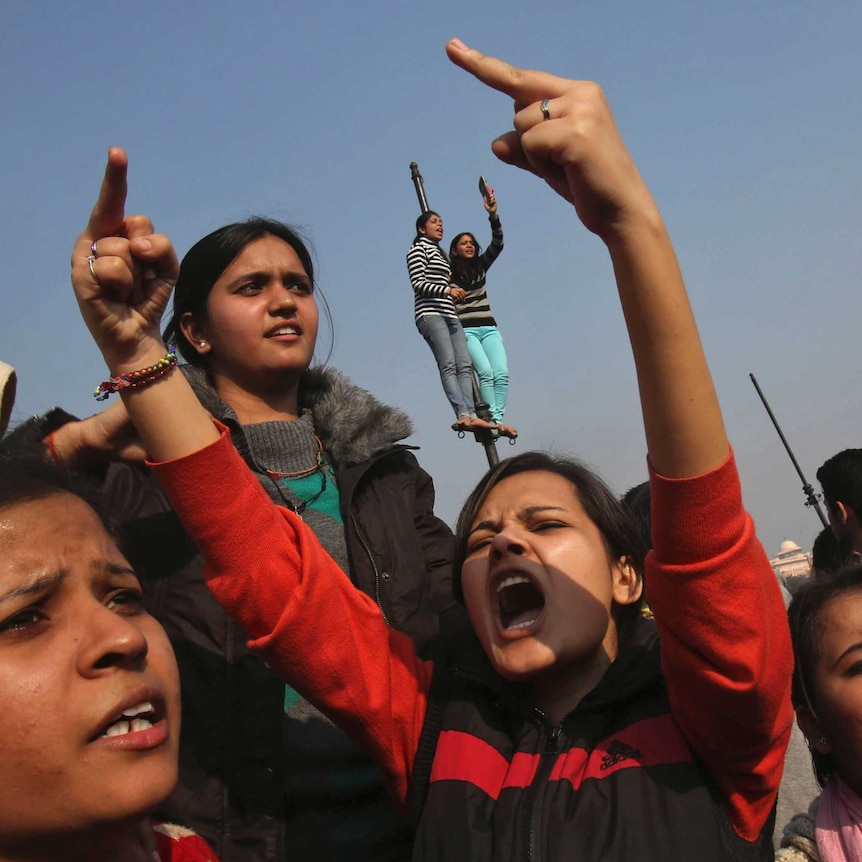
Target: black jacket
494	780
256	785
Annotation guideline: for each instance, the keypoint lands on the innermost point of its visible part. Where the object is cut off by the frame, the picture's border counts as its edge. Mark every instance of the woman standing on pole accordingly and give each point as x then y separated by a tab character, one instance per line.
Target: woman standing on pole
437	319
469	270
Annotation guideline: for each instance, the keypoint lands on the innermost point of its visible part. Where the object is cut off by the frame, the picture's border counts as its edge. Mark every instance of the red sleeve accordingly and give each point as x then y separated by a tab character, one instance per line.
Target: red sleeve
175	844
315	629
726	651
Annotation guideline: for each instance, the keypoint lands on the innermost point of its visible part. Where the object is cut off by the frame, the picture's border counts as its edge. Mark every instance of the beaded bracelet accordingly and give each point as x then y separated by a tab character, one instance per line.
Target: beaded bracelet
132	379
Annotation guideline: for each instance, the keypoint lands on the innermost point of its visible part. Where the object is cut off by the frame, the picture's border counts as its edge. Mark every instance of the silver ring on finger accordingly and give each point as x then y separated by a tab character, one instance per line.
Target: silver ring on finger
90	261
546	111
93	251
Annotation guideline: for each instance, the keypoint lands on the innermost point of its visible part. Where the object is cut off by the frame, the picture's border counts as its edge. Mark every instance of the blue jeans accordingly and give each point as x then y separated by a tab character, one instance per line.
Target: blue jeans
445	337
489	359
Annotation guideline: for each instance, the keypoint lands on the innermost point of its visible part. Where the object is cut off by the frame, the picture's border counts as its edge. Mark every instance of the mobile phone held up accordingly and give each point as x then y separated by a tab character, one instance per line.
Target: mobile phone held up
485	190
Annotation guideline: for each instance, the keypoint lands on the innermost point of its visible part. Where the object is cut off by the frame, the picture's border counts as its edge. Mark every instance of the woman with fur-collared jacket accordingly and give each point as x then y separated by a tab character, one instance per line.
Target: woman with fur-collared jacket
264	775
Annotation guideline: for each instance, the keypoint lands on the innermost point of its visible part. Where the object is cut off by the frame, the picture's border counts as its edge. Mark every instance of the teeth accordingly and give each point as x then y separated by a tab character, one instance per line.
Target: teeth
121	728
519	602
288	330
511	581
521	625
132	711
118	728
130	721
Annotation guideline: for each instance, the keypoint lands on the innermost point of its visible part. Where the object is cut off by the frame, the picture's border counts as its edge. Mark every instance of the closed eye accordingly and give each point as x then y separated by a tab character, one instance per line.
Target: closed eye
478	544
542	526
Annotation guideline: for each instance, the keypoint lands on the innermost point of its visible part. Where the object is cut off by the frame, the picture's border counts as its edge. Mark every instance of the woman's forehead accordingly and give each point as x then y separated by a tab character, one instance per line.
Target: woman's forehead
267	250
840	626
41	533
529	490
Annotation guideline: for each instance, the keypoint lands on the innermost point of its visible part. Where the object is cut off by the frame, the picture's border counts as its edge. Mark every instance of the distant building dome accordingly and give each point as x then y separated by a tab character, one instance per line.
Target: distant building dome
791	561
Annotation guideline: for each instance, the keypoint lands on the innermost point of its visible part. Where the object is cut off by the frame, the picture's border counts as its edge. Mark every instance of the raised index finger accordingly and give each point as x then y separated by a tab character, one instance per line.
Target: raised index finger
523	85
109	211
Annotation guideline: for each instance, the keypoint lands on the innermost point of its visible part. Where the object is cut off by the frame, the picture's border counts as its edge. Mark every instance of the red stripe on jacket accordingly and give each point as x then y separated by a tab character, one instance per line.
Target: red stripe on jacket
651	742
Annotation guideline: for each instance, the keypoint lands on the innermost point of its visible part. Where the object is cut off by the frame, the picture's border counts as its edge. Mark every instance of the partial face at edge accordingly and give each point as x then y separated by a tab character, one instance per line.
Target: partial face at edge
838	686
77	651
537	581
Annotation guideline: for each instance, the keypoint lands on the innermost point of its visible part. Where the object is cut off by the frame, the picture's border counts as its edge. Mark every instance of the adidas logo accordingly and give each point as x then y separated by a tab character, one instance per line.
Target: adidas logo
617	752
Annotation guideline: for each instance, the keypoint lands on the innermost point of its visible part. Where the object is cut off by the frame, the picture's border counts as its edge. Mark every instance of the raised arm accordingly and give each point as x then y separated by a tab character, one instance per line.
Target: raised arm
492	252
574	145
123	274
725	645
312	625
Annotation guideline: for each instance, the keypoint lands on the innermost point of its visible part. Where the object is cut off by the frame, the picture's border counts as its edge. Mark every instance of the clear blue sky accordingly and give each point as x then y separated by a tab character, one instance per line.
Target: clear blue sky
744	119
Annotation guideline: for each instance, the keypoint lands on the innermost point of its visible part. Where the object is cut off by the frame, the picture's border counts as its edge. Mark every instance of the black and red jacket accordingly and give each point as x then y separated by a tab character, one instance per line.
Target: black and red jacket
675	755
615	780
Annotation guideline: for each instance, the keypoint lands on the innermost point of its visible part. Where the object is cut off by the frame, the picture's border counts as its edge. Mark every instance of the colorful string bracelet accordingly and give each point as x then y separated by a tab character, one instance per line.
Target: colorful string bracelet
131	379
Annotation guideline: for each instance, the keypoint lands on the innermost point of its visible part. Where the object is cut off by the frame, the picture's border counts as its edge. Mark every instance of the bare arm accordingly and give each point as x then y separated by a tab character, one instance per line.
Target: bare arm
580	154
97	440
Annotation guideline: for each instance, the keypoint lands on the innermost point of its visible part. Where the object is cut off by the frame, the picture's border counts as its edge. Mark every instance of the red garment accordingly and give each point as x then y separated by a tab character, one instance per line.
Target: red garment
726	647
176	844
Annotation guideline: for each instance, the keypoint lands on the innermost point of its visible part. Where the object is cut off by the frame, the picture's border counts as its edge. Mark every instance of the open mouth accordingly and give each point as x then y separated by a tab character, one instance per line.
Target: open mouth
134	719
287	329
519	603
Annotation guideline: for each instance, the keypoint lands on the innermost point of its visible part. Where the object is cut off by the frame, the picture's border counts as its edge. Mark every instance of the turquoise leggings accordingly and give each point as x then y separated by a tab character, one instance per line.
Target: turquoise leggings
489	359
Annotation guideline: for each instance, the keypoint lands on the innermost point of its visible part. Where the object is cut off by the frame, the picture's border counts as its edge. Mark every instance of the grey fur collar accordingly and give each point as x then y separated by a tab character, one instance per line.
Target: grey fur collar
353	425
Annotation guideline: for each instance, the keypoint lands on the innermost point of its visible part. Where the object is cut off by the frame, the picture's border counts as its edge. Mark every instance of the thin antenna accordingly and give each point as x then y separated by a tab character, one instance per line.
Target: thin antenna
810	495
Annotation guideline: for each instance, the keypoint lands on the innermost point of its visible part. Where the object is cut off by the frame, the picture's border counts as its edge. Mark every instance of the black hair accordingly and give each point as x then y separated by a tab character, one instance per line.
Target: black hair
638	501
26	478
806	631
209	257
828	553
421	221
618	531
467	269
841	480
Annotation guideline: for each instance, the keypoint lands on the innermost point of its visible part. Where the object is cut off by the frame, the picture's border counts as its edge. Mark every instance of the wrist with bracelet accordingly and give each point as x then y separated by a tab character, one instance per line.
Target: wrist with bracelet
134	379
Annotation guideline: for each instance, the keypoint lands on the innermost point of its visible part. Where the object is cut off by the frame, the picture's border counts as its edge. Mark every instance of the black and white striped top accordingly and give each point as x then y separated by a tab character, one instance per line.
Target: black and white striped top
429	274
475	309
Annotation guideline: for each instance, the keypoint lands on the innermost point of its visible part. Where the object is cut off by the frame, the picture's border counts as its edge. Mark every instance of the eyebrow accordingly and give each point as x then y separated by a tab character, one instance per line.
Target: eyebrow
110	568
523	515
38	585
856	646
44	583
267	273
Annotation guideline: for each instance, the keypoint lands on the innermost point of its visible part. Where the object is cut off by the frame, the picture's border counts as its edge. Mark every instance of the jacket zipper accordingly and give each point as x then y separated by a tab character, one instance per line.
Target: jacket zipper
546	763
373	566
